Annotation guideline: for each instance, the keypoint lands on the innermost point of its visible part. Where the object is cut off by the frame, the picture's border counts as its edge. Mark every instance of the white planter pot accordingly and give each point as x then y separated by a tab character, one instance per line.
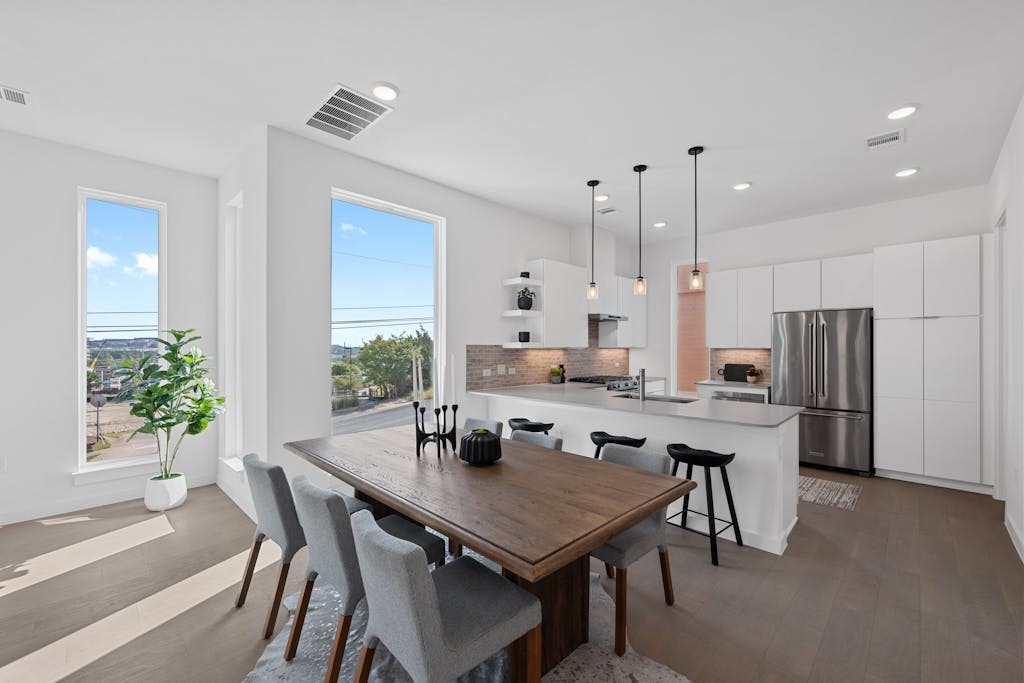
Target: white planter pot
164	494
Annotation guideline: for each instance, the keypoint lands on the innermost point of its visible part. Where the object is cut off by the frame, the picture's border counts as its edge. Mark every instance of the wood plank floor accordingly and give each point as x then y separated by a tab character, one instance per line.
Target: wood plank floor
916	584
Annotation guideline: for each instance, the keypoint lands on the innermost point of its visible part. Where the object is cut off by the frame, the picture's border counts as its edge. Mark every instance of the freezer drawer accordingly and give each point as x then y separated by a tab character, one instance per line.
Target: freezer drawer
836	439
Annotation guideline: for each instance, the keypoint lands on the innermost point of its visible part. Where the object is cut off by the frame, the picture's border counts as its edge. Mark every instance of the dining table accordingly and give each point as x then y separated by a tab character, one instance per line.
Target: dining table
537	513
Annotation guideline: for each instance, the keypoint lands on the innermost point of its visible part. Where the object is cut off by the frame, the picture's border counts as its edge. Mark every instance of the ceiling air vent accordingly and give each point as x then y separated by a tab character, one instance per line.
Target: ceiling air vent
607	210
13	95
347	113
894	137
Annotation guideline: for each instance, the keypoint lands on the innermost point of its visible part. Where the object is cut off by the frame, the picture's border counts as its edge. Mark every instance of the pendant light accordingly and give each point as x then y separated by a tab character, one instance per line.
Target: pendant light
696	277
640	283
592	287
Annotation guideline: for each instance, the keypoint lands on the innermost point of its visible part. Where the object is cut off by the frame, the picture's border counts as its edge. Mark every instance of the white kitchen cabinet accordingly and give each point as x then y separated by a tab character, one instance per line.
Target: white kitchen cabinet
899	425
754	308
952	359
848	281
631	332
720	314
898	348
988	360
563	303
952	276
952	439
797	286
899	281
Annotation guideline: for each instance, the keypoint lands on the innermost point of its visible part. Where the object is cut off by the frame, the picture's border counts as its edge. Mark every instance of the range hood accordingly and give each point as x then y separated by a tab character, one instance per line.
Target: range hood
608	317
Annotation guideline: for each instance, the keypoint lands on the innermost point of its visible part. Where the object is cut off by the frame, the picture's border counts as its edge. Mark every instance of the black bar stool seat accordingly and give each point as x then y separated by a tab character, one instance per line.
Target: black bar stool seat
601	439
529	425
681	453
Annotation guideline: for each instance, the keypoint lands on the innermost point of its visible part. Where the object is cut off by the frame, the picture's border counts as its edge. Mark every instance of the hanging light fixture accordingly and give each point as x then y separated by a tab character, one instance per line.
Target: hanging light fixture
640	283
592	287
696	277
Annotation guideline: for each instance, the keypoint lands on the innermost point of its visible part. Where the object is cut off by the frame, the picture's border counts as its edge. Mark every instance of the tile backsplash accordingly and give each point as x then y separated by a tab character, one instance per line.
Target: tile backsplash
531	366
759	358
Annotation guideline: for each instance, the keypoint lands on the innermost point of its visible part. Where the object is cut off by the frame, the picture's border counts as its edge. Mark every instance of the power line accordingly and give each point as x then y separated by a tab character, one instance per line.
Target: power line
382	320
367	308
383	260
357	327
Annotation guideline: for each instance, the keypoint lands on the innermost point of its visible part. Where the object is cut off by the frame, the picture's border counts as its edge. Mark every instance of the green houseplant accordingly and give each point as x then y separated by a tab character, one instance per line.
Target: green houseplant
171	392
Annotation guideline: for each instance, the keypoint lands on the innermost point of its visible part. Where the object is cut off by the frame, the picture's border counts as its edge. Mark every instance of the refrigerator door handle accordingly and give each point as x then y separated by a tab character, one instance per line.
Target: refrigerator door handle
838	416
824	360
813	361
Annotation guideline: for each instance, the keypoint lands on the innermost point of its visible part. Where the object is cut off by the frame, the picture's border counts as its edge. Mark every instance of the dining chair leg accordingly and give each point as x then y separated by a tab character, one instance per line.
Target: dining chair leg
250	567
609	570
620	611
666	576
364	665
300	617
533	654
338	652
276	602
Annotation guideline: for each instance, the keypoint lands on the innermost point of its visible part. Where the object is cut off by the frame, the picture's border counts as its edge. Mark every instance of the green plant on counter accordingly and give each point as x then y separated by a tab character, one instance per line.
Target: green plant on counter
555	372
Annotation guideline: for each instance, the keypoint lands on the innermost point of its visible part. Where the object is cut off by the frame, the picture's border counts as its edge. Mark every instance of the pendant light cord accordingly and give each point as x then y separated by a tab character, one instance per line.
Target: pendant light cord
695	212
639	225
593	190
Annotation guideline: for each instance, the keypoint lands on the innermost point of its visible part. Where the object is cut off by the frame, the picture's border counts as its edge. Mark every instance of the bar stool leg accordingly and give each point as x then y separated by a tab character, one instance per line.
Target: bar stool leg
732	508
597	453
686	498
711	516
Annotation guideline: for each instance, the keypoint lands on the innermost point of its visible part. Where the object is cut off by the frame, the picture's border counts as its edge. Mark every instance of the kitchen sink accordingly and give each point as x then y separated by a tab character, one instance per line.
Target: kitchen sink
659	398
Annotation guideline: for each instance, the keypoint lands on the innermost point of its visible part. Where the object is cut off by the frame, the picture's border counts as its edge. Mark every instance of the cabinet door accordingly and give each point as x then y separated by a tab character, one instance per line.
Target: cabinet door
720	309
797	286
952	359
565	305
899	281
624	288
899	431
754	308
898	351
952	440
848	281
952	276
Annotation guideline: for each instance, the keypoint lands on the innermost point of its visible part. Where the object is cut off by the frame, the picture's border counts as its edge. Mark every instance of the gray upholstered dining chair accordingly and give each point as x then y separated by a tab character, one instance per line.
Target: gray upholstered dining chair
438	624
538	439
332	555
275	519
493	426
633	543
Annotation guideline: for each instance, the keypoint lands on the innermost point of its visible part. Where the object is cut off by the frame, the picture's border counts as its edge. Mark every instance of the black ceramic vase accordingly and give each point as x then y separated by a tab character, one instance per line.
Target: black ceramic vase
480	447
525	303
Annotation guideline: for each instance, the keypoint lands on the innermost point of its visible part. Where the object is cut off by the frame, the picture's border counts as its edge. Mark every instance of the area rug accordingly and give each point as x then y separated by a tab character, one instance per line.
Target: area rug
827	492
592	661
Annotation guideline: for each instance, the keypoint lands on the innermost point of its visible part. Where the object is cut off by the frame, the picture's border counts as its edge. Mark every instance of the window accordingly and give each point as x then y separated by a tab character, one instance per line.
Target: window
384	310
120	299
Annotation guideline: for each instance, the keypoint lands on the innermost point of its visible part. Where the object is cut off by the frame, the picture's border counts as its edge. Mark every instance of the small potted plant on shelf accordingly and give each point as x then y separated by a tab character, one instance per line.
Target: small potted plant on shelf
524	298
171	392
556	375
753	375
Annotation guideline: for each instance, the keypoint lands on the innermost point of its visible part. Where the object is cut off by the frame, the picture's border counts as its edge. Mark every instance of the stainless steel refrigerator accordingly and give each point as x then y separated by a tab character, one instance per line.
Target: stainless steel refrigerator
821	360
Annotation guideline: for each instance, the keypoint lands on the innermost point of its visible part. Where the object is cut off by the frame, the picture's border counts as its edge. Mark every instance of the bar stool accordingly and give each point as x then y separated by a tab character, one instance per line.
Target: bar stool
529	425
681	453
602	439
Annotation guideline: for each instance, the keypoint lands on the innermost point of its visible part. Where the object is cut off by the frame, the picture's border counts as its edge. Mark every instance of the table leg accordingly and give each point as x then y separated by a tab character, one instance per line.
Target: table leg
565	613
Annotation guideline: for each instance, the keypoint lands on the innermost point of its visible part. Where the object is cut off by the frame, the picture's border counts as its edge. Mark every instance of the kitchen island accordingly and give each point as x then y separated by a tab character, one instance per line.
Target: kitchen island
764	474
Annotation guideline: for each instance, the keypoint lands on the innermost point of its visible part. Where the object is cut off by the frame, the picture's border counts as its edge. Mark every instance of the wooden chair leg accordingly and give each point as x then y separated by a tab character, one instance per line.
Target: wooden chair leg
666	577
454	547
300	617
533	655
338	652
275	603
364	665
620	611
250	567
609	570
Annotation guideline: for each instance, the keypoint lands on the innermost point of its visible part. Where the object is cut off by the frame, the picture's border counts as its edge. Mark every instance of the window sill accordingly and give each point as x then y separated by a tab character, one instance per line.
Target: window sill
97	474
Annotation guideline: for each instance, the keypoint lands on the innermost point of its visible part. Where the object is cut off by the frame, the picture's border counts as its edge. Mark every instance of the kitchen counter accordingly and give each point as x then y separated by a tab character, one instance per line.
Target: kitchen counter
746	414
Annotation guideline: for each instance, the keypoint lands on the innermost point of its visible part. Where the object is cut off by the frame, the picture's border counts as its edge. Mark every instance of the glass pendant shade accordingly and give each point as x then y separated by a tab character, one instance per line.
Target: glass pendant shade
640	286
592	291
696	279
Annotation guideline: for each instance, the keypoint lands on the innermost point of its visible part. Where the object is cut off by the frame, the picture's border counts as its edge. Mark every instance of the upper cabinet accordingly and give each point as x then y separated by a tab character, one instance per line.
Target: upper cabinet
899	281
848	281
798	286
564	303
720	309
952	276
738	308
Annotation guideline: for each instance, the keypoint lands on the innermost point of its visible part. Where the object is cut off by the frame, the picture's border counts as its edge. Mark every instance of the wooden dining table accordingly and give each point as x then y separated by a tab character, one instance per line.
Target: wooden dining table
537	513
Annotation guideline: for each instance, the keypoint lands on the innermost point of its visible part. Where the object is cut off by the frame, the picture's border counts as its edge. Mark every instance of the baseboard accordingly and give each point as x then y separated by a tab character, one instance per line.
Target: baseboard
1015	537
985	489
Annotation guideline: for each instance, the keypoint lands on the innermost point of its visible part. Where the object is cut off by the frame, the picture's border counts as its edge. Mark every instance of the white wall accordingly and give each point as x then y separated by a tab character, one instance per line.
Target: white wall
40	403
1008	195
859	230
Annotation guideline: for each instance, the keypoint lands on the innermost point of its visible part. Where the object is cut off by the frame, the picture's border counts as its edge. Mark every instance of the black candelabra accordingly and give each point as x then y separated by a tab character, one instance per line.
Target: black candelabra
441	435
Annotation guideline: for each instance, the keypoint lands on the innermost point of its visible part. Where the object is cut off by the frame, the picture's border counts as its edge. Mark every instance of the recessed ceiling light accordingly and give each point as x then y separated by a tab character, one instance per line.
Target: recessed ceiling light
601	198
385	92
660	224
903	112
742	186
906	173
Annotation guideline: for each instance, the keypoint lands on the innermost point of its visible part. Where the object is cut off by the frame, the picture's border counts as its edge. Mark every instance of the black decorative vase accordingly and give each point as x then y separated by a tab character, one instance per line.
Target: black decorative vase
480	447
525	303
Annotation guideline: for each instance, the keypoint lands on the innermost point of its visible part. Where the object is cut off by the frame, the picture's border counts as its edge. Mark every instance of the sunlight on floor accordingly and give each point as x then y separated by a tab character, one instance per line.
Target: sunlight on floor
77	555
76	650
53	521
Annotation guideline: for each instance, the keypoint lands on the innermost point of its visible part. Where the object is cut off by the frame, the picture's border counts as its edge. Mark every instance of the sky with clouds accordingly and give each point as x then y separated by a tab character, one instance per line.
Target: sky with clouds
121	270
382	274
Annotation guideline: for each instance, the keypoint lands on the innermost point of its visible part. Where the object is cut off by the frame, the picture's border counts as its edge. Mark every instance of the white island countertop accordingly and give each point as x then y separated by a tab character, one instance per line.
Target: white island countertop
733	412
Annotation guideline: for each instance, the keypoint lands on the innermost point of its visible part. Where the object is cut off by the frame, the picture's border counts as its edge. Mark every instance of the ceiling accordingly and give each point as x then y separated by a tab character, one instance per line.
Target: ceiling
523	102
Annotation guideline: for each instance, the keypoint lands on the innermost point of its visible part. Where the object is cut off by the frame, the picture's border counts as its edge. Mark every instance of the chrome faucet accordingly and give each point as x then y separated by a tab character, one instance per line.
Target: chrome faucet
641	382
